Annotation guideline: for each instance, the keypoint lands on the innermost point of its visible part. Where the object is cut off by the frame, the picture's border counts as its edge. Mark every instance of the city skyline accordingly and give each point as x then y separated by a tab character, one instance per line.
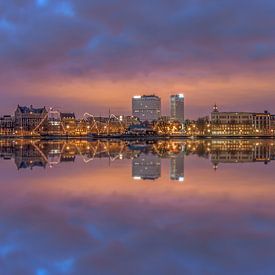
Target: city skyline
165	105
102	109
145	121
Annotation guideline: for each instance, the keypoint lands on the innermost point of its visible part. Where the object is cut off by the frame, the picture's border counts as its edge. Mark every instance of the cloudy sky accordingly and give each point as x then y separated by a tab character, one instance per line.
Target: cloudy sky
91	55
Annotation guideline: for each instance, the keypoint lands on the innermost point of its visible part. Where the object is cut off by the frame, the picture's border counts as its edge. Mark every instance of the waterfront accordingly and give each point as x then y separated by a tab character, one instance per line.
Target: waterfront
165	207
146	121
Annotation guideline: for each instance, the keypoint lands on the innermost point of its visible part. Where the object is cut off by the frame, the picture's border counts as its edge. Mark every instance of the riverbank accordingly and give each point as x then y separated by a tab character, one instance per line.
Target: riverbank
134	137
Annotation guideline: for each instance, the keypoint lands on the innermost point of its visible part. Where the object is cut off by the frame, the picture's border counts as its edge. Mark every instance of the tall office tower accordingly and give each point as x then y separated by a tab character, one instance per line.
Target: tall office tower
177	107
146	107
177	167
146	167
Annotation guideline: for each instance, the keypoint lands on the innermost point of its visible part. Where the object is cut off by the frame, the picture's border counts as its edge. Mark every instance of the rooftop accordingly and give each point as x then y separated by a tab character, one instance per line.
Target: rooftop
27	110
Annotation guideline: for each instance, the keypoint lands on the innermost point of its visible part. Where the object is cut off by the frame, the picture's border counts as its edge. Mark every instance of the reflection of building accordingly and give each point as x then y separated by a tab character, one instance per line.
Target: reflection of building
146	107
177	167
28	118
177	107
146	156
262	152
146	167
27	156
240	152
232	156
68	153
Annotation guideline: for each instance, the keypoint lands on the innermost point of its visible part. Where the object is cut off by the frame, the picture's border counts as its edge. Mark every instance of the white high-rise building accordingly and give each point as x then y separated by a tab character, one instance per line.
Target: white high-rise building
146	107
177	107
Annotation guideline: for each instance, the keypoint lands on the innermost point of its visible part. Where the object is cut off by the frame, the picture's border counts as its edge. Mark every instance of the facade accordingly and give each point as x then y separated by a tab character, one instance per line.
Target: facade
7	125
177	107
146	107
54	122
240	123
262	122
28	118
272	124
68	122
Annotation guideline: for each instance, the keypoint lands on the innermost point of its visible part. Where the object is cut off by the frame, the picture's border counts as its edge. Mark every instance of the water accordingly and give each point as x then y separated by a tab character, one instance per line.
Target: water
177	207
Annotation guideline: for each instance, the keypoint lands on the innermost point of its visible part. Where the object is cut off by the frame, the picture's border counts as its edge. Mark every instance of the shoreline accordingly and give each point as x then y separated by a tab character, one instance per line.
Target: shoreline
133	137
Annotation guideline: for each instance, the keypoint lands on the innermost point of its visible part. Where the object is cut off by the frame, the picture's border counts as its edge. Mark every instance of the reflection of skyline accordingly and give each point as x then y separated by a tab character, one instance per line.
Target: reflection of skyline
177	167
146	166
146	157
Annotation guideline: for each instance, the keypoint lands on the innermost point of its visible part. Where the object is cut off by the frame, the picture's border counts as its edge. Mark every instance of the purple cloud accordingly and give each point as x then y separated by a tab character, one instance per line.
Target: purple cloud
90	37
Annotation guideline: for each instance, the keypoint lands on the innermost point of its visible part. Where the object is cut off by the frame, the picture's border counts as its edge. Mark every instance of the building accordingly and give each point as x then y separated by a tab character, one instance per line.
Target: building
240	123
68	122
29	118
146	107
272	124
262	122
177	107
7	125
128	120
53	126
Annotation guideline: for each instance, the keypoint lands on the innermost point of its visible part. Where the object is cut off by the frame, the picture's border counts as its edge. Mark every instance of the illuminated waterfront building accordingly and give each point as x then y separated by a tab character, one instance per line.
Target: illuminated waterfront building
146	107
240	123
54	122
272	124
177	107
69	122
7	124
28	118
262	122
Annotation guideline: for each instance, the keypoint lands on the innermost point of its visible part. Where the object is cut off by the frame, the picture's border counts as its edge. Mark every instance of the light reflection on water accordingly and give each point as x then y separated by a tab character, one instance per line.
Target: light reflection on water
167	207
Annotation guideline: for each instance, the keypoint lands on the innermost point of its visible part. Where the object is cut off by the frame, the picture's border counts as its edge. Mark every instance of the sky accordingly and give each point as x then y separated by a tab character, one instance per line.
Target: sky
80	55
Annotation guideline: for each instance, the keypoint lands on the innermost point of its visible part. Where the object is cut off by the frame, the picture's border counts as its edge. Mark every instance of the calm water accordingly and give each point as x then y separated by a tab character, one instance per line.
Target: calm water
190	207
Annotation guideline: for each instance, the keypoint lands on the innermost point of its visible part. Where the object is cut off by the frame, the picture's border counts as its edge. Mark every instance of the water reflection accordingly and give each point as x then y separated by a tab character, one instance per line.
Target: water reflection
90	215
146	157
